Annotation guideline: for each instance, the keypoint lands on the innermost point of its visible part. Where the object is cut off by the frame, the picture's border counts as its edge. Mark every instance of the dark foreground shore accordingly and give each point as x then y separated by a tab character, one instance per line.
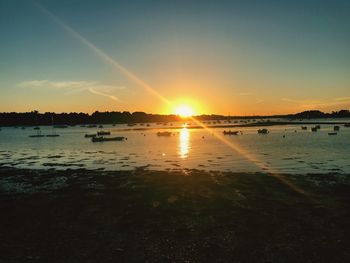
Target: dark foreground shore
187	216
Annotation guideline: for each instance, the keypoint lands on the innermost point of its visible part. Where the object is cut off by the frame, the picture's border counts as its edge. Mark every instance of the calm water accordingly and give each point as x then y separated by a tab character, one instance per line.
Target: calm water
299	152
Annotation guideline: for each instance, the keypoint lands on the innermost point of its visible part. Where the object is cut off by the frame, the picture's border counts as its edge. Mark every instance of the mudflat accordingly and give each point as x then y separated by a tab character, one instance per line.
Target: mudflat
172	216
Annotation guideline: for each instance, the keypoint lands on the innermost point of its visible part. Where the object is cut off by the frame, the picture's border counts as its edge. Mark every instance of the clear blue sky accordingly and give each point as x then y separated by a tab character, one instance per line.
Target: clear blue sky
237	57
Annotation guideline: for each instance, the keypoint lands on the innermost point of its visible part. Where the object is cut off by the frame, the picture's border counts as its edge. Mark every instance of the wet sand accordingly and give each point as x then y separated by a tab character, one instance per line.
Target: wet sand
172	216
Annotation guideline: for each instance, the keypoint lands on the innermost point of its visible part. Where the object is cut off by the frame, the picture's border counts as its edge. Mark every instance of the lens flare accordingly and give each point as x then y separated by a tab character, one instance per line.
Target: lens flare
183	110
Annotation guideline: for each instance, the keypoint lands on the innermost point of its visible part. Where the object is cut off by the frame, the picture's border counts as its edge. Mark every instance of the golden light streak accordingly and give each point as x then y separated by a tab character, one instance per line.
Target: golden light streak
250	157
102	54
148	88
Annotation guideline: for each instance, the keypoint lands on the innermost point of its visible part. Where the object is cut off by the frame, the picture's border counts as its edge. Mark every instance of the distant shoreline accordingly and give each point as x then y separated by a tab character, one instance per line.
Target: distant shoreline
35	118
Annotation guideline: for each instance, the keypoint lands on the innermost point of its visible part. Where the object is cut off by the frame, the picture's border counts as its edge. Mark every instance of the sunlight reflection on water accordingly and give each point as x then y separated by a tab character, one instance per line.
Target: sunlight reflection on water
288	149
184	143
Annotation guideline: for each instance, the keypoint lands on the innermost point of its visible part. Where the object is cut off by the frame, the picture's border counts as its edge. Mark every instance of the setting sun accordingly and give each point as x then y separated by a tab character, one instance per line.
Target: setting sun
184	111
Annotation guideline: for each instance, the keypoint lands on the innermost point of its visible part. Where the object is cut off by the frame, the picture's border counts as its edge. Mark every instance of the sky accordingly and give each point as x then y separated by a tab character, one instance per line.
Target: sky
219	57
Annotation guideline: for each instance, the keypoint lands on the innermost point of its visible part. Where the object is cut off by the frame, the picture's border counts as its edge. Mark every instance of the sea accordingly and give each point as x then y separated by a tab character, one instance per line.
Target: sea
286	149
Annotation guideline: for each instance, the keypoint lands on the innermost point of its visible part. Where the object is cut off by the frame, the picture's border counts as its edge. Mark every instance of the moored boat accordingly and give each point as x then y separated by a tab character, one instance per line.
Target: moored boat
263	131
90	135
303	127
62	126
165	134
104	139
36	136
314	129
332	133
230	132
52	135
336	128
100	133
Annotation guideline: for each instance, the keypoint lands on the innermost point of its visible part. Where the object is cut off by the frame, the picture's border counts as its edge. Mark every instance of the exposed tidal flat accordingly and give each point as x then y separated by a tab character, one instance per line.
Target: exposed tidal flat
80	215
188	197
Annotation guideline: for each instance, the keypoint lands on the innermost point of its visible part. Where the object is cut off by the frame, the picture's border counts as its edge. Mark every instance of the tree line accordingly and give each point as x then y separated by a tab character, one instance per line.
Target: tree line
50	118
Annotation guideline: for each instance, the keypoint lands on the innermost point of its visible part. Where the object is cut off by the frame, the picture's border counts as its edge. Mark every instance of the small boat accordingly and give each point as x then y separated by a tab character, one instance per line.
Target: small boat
165	134
52	135
263	131
90	135
230	132
303	127
104	139
347	125
91	126
99	133
336	128
314	129
36	128
60	126
332	133
36	136
131	124
100	126
318	127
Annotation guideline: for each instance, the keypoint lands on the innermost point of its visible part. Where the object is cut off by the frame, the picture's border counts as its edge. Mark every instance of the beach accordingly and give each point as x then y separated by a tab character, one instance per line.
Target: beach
80	215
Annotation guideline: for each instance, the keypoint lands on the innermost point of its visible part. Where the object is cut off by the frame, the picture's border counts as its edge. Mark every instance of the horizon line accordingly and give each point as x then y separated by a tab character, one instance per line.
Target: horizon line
172	114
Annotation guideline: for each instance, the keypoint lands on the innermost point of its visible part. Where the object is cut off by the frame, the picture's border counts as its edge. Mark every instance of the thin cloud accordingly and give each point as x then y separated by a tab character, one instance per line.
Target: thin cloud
246	94
342	99
319	103
74	87
93	91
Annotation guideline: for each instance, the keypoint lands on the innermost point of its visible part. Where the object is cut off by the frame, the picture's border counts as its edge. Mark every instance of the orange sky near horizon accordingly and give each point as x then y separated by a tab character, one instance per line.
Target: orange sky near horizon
231	58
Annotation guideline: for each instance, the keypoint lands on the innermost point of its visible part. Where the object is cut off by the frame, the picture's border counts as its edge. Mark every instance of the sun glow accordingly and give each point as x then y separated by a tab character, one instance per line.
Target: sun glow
184	111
